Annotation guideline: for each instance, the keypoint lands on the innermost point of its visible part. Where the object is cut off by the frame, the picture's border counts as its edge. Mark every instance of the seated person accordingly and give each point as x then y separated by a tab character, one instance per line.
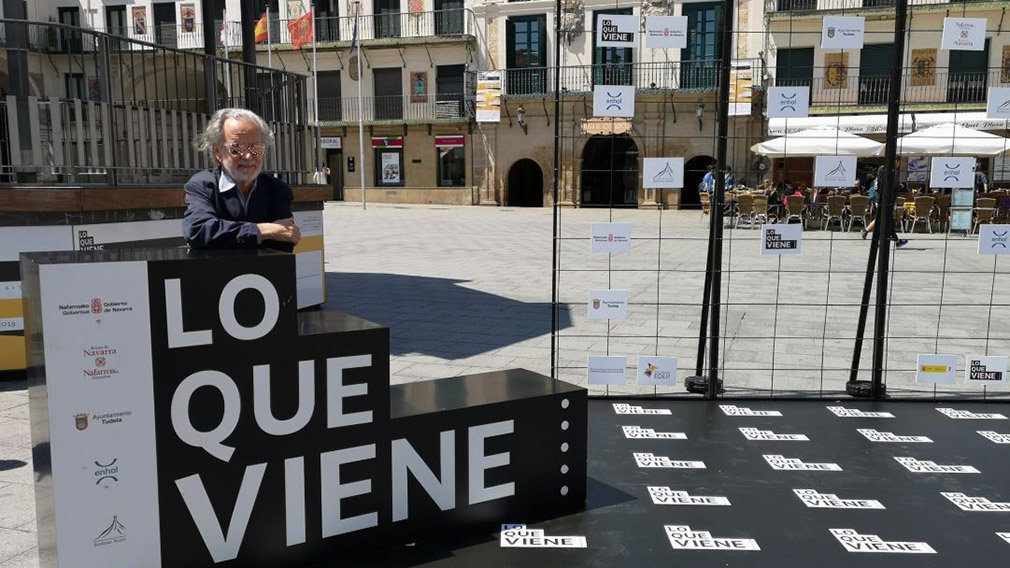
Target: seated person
234	204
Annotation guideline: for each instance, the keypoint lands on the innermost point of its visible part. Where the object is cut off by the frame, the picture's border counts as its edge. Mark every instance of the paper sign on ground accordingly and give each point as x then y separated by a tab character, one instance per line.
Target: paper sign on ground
665	496
604	370
683	538
936	369
852	541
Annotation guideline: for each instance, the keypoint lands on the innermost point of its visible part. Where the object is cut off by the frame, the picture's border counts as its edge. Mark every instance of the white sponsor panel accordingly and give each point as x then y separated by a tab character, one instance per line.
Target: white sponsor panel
16	240
610	237
663	32
834	171
842	412
731	410
608	304
614	30
985	370
788	102
994	437
925	466
954	414
994	239
520	536
640	433
666	496
663	173
781	240
657	371
966	503
782	463
101	413
817	500
756	435
614	101
98	235
650	460
997	104
852	541
842	32
683	538
621	408
606	370
967	34
951	172
936	369
876	436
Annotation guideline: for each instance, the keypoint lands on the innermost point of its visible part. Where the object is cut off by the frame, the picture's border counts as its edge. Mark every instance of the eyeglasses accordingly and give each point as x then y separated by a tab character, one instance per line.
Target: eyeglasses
239	150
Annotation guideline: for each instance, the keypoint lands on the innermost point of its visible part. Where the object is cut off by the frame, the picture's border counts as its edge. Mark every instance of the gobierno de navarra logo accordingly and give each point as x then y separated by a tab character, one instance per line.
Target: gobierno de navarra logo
95	307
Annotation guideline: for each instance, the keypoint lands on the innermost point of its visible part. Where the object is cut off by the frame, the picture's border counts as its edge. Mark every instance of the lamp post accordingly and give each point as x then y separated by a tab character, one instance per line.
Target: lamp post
699	111
521	117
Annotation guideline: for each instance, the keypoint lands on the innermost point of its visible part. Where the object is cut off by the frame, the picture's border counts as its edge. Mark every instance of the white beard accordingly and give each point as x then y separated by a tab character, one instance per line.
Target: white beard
240	178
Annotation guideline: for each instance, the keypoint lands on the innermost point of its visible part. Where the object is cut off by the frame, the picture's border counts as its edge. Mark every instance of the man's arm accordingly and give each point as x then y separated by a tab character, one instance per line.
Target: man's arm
203	228
280	225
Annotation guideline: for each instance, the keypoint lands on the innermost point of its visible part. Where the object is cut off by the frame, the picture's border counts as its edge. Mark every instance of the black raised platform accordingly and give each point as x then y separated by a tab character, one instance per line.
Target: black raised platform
623	527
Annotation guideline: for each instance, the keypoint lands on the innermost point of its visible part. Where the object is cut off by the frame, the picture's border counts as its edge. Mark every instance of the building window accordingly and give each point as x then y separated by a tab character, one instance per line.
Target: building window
700	60
329	95
451	159
526	54
388	152
74	83
794	67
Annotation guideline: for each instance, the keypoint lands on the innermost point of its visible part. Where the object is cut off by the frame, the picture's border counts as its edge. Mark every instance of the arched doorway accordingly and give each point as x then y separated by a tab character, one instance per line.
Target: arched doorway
694	170
610	172
525	184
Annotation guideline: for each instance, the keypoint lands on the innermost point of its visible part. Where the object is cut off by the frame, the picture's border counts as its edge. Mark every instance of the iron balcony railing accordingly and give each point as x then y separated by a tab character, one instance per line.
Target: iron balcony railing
940	86
452	107
176	36
777	6
389	25
666	75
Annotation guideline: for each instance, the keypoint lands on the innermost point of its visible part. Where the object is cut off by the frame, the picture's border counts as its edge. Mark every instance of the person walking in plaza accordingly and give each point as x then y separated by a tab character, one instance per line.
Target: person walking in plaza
874	194
234	204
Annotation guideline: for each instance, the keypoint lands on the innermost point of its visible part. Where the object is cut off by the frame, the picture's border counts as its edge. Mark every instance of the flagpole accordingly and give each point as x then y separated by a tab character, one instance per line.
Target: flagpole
273	90
361	107
315	90
227	65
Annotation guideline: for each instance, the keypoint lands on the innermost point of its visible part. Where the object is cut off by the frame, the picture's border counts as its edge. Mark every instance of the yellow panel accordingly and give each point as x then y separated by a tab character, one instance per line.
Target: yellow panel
11	309
12	352
309	244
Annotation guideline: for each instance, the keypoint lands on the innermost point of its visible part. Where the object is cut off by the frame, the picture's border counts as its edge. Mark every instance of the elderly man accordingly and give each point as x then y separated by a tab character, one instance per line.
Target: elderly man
235	205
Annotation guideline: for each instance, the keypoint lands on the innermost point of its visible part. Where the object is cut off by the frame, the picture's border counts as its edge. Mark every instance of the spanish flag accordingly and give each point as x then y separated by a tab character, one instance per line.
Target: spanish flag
260	30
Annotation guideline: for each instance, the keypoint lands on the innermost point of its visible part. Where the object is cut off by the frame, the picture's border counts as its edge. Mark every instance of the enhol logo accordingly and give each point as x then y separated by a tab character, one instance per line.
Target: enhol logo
615	100
114	533
951	173
106	473
999	239
788	102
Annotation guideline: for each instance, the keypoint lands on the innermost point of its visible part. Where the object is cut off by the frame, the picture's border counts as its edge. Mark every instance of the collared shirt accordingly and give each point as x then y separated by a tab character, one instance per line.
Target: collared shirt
227	183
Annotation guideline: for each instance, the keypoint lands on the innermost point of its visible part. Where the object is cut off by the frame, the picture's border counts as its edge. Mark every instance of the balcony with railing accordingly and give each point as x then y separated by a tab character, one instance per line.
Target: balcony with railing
386	27
442	107
701	75
939	88
793	6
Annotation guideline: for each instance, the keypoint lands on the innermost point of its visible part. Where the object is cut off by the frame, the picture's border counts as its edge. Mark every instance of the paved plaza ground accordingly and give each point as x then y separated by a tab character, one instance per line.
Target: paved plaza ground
468	289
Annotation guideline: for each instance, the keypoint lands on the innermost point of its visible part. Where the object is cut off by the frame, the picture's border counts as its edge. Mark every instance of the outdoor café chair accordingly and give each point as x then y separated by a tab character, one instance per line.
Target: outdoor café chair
923	211
795	209
985	210
835	211
859	209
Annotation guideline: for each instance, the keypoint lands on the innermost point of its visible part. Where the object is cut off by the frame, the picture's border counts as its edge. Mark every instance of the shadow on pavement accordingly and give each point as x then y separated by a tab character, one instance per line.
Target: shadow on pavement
438	316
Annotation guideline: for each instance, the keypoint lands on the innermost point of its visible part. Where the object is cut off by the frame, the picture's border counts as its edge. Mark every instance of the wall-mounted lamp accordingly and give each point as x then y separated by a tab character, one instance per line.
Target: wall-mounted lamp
699	111
521	116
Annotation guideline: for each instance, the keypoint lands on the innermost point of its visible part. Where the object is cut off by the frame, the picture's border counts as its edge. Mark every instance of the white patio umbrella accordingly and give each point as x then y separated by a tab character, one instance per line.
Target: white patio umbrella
819	141
952	139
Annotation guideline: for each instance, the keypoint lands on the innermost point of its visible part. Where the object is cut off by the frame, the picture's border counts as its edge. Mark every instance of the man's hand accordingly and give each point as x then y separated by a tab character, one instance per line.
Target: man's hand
283	230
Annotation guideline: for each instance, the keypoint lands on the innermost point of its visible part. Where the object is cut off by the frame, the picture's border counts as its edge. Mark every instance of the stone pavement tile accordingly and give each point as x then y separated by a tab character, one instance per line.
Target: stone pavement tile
12	398
16	549
16	466
18	412
15	432
17	505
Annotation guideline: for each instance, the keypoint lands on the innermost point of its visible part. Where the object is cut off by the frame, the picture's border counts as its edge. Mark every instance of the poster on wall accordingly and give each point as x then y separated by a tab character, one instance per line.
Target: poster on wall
663	173
416	6
187	15
662	32
139	14
741	81
918	169
614	101
419	86
295	8
966	34
949	172
616	30
923	67
488	96
842	32
836	70
391	167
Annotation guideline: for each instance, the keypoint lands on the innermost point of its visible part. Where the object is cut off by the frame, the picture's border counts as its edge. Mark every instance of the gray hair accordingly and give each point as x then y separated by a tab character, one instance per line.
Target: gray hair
214	134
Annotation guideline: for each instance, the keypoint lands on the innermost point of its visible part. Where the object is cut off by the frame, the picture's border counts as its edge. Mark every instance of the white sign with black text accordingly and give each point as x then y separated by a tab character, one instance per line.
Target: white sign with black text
994	437
731	410
616	30
608	304
640	433
657	371
621	408
330	142
994	239
985	370
951	172
966	503
519	536
683	538
662	32
816	500
936	369
606	370
842	412
834	171
614	101
782	463
665	496
663	173
925	466
610	237
788	102
889	437
756	435
967	34
852	541
650	460
781	240
954	414
842	32
997	103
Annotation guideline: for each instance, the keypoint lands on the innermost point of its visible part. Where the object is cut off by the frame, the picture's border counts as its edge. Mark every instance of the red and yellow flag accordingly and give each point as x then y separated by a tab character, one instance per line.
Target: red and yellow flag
301	30
260	30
